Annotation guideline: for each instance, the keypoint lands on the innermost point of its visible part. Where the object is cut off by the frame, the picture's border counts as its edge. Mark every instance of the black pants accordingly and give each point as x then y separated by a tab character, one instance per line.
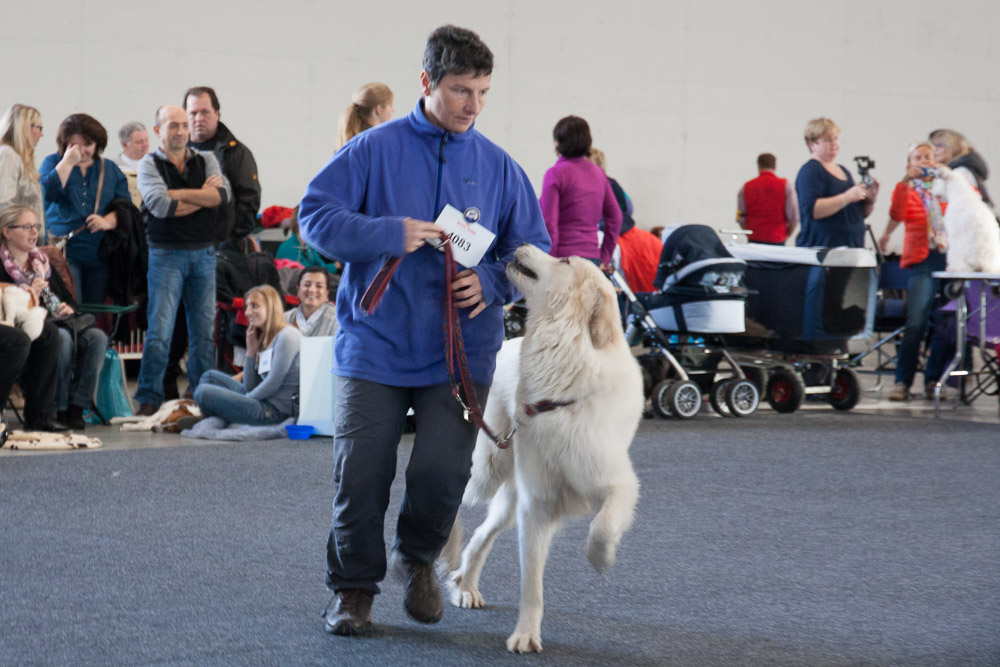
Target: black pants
368	424
34	364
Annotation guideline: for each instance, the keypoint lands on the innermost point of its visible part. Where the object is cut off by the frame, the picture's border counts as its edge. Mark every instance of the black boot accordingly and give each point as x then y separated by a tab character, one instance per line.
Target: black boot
74	417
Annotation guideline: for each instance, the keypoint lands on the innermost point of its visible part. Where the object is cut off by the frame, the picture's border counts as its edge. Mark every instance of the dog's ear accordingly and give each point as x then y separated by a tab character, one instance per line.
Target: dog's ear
603	319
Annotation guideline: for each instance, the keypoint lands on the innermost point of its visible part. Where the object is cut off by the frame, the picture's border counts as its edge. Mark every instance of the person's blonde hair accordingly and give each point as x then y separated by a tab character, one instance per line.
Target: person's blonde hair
956	142
913	149
274	309
354	119
820	128
596	155
15	131
10	217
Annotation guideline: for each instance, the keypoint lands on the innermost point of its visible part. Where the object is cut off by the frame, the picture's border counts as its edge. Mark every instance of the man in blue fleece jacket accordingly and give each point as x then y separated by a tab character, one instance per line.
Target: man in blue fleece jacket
373	201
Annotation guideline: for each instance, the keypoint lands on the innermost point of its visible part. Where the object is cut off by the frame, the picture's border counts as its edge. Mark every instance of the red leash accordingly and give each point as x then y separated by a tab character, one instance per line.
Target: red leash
454	344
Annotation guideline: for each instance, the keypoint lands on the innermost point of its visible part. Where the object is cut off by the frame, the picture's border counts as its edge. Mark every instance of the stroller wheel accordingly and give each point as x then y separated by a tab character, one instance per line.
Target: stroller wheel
742	398
717	397
846	389
785	390
661	406
684	399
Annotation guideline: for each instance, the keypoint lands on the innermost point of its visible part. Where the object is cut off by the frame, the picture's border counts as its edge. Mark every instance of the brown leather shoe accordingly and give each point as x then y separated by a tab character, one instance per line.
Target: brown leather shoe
422	600
352	614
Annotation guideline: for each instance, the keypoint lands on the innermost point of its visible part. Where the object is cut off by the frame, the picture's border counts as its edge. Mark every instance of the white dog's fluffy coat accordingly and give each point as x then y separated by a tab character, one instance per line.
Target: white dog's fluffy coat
567	461
972	231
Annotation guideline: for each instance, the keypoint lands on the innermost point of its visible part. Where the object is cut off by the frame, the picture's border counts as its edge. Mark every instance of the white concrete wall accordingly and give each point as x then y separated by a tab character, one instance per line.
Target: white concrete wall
682	96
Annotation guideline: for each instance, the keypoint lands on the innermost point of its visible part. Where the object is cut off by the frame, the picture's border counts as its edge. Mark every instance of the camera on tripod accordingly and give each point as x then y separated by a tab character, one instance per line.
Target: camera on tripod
865	164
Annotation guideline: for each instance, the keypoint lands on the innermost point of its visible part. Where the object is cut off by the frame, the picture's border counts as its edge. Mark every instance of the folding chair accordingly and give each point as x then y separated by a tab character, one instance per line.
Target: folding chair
890	319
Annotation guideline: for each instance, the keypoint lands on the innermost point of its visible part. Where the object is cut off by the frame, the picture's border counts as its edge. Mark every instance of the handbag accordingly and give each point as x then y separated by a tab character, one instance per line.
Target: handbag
76	323
112	397
61	241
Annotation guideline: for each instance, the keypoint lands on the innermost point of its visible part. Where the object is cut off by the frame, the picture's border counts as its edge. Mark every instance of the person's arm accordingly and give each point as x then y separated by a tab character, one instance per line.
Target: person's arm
285	351
791	209
154	191
827	206
207	196
246	190
11	169
741	208
549	203
329	218
897	212
612	225
520	222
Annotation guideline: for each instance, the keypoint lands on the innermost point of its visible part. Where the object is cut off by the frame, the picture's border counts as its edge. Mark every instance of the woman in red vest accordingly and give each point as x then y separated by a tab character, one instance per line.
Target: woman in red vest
921	213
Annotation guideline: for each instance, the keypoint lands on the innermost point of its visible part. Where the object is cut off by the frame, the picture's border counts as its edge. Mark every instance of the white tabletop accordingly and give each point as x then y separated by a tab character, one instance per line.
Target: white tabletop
965	275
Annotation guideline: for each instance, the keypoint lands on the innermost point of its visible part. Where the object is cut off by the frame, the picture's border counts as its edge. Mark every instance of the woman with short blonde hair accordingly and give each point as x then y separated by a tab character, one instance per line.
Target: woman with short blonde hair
20	130
370	105
832	209
270	387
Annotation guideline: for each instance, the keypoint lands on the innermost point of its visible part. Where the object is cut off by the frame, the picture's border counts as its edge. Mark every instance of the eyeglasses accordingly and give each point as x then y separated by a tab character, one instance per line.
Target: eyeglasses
36	227
37	127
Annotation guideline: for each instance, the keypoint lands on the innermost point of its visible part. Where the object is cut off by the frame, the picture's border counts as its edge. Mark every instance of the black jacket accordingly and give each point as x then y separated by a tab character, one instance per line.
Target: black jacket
238	165
975	163
126	253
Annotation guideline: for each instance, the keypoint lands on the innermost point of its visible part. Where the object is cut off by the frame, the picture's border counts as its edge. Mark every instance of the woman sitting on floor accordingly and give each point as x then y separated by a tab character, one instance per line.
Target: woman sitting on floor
315	315
270	374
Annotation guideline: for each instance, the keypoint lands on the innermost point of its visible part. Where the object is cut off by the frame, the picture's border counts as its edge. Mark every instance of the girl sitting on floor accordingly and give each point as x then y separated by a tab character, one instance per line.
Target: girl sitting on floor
270	374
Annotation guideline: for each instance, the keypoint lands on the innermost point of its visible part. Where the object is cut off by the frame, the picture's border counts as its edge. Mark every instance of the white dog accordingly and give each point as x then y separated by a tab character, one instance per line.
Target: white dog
973	233
18	309
572	391
163	420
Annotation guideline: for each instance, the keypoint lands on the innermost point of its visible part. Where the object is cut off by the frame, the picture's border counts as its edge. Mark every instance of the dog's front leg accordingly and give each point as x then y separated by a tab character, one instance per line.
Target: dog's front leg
463	585
535	528
612	521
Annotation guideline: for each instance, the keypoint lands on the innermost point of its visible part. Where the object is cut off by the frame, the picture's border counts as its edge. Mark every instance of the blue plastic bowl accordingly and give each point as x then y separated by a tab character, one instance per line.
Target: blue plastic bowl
297	432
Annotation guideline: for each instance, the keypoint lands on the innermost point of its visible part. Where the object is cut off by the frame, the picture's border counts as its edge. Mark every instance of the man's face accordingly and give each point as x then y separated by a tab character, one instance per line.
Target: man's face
455	102
173	129
137	145
203	118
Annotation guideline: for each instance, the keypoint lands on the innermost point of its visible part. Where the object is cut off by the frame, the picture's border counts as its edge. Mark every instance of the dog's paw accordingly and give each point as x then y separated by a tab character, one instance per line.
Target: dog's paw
461	596
524	642
601	552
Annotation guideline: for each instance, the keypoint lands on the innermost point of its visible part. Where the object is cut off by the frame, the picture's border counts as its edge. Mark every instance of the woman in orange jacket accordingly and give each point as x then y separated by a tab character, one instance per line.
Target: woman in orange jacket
924	246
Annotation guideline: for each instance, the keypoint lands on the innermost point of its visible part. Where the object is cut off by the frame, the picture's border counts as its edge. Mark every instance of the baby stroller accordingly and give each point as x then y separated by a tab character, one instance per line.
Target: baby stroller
702	295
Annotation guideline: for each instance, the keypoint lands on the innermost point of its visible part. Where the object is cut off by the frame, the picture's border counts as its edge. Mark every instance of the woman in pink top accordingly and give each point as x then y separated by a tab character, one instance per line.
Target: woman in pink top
575	197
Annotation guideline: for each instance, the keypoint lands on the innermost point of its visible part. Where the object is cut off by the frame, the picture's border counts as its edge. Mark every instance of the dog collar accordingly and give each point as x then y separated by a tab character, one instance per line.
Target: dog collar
532	409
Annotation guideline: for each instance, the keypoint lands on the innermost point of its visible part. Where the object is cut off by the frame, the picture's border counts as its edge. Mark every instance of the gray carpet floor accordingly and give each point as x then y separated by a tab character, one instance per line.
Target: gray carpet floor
817	538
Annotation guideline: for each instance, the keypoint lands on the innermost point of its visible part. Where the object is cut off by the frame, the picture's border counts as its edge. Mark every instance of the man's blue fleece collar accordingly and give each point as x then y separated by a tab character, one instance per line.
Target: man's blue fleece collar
419	122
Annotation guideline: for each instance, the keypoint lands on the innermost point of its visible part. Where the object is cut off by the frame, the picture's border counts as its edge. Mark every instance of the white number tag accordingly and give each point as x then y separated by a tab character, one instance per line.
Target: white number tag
469	240
264	361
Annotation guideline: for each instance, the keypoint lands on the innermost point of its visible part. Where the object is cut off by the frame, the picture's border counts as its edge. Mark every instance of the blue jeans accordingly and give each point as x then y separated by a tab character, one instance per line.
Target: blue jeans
922	302
368	423
219	395
175	276
77	374
90	280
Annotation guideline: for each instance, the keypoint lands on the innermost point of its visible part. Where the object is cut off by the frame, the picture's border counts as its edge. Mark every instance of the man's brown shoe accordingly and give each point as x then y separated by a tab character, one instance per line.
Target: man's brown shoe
422	600
352	614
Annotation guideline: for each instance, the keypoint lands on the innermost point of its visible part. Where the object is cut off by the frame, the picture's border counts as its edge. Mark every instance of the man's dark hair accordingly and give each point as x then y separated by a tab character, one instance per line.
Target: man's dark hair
572	135
198	91
766	161
87	127
454	50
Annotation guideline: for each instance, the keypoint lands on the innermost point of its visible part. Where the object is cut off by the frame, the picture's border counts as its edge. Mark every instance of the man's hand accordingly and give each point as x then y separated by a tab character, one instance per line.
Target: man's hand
415	232
468	292
213	181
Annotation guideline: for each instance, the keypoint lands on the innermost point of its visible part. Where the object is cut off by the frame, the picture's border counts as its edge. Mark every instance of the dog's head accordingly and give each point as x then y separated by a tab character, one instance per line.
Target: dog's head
570	289
940	185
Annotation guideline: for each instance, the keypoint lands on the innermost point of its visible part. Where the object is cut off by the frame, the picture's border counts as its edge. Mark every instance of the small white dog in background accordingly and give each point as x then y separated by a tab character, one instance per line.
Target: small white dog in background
972	231
18	309
573	391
